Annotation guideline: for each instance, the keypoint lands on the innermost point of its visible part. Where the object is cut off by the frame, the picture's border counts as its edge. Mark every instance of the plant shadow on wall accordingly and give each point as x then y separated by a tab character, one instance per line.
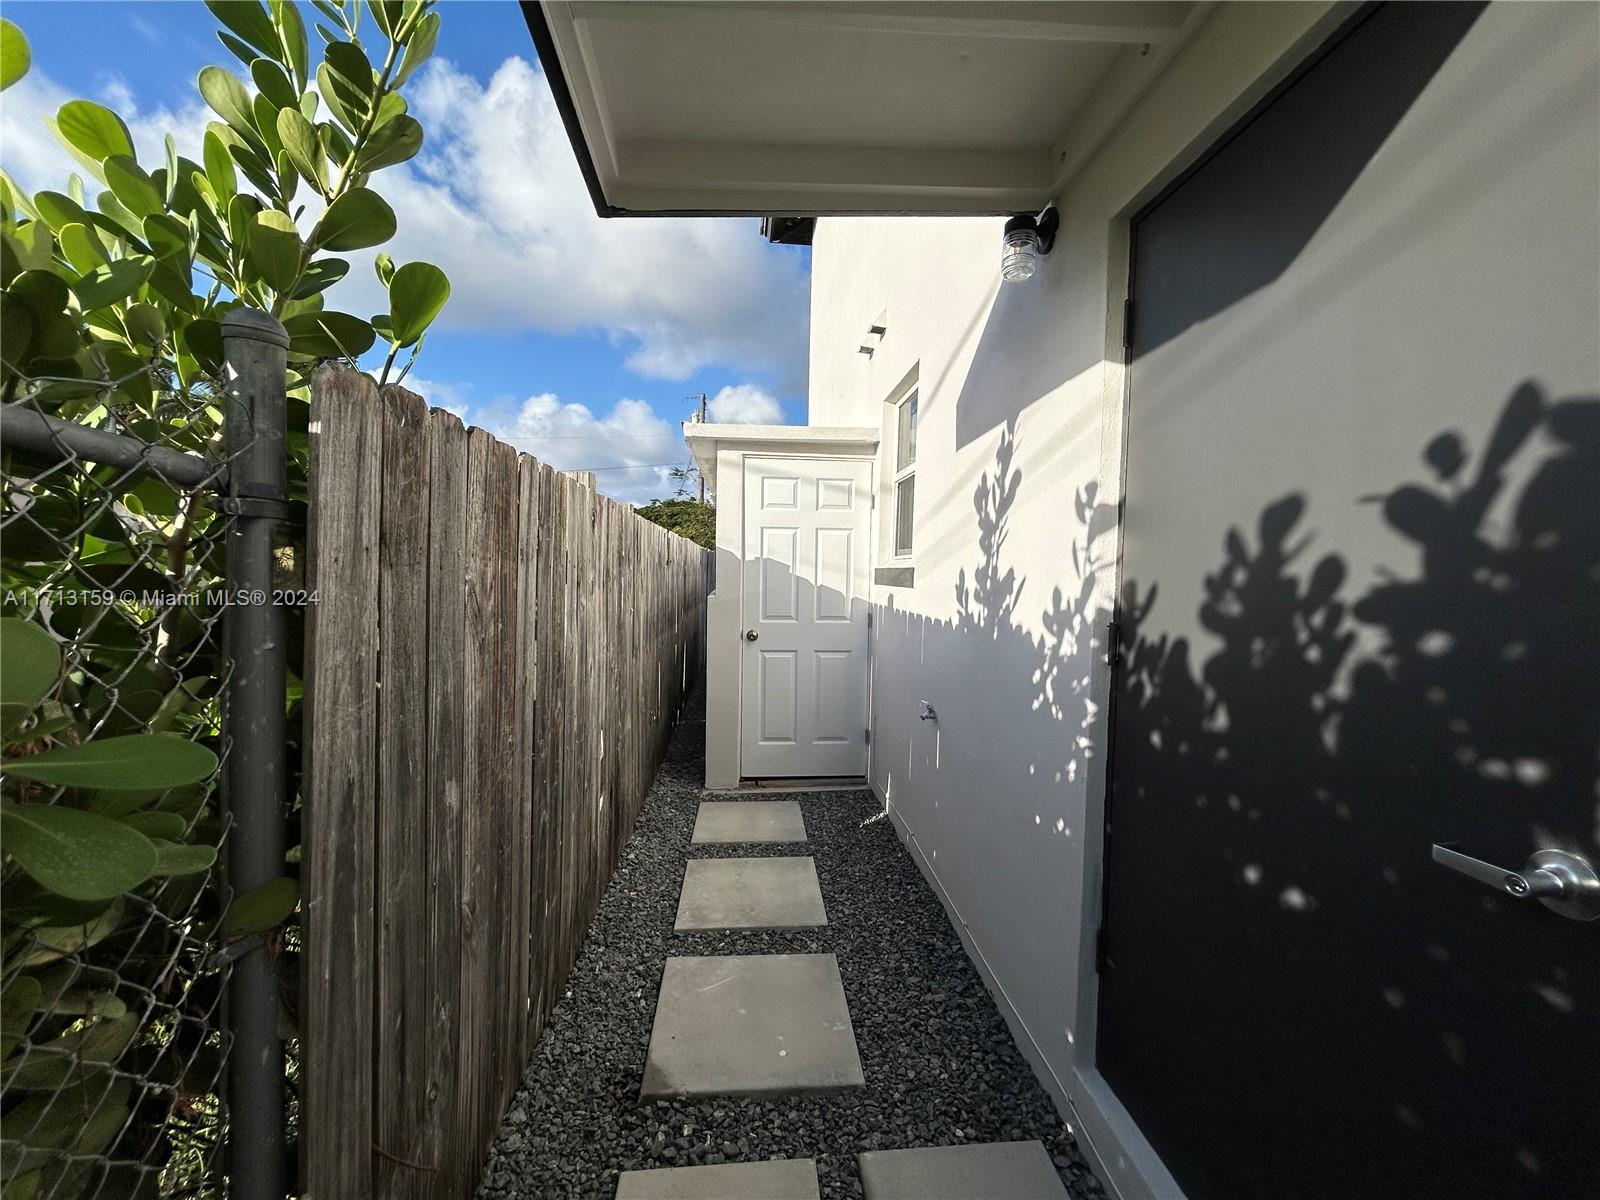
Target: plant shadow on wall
1057	663
1275	919
1276	794
1005	763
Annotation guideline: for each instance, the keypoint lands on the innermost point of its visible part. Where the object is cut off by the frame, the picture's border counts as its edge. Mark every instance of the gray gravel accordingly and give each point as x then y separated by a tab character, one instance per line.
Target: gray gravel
941	1067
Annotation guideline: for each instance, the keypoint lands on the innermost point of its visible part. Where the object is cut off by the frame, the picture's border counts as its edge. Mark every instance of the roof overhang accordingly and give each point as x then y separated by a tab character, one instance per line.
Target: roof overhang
706	439
811	107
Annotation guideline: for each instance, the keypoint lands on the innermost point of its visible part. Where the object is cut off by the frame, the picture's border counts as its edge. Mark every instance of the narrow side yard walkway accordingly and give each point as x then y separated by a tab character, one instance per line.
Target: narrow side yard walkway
939	1065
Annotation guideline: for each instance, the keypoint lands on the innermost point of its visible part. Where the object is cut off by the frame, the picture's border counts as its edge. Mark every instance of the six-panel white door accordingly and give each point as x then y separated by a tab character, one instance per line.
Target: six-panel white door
804	638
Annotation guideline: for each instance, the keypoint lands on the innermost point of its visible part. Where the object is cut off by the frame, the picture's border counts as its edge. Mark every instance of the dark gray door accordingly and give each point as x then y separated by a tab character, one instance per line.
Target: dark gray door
1361	615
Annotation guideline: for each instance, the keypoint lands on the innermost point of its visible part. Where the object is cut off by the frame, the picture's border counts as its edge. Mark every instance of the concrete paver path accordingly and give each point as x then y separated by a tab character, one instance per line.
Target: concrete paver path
991	1171
750	893
751	1025
749	821
780	1179
892	1039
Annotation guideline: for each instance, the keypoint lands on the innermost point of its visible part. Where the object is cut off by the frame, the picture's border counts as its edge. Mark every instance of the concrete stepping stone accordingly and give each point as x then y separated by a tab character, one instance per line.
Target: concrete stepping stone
749	821
751	1025
750	893
983	1171
780	1179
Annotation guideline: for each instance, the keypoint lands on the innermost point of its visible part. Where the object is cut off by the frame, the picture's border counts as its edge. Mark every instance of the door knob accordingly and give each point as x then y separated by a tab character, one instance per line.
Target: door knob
1562	882
750	635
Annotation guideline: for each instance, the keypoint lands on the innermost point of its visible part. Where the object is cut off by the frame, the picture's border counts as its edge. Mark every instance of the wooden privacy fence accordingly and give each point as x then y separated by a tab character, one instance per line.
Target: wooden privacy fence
495	659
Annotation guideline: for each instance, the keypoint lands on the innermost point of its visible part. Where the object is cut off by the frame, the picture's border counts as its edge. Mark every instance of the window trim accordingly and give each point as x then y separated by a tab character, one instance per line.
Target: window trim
898	476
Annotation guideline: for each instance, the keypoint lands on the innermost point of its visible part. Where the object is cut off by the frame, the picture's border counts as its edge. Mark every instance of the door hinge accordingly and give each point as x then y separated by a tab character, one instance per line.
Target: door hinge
869	618
1127	324
1102	958
867	737
1113	643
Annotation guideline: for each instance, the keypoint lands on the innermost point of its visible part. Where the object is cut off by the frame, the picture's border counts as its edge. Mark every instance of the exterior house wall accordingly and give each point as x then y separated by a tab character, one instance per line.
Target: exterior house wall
1018	480
1020	457
722	626
993	632
992	792
1380	300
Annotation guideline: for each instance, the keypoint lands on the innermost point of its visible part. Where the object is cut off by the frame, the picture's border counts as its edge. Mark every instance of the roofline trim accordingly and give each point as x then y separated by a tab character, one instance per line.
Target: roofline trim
544	45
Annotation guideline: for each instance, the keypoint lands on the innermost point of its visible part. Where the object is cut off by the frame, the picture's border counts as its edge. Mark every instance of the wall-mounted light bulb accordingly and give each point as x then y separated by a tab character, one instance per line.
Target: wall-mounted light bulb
1027	239
1019	258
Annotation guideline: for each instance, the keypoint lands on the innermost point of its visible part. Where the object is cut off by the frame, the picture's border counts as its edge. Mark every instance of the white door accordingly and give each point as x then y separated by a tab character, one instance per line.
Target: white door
804	674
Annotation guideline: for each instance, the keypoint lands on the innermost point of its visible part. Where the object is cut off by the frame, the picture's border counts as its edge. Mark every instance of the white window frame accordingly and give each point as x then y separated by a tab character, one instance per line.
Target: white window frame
898	475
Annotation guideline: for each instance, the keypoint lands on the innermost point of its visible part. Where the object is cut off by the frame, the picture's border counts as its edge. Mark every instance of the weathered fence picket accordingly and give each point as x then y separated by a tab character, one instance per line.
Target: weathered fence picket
403	835
446	707
493	666
338	875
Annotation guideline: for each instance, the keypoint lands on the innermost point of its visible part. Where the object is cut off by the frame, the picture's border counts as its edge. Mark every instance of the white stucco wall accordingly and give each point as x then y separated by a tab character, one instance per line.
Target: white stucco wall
1018	474
993	793
991	790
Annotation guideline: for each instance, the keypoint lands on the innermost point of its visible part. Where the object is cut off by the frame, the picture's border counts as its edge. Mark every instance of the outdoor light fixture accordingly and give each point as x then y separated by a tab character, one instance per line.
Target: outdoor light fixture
1027	240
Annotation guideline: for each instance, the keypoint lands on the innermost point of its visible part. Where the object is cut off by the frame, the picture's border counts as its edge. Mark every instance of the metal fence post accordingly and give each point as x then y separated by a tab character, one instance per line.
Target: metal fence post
255	348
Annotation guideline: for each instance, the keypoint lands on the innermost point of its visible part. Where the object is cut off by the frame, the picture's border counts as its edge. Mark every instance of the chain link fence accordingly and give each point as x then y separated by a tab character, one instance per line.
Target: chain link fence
128	539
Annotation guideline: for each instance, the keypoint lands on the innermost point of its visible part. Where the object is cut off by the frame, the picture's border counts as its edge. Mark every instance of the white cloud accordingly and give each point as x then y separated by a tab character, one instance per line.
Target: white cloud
32	156
452	397
745	404
631	449
497	200
186	124
28	150
145	29
118	97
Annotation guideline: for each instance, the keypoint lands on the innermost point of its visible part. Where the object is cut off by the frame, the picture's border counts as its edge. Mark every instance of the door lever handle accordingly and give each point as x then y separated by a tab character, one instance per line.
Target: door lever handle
1525	887
1562	882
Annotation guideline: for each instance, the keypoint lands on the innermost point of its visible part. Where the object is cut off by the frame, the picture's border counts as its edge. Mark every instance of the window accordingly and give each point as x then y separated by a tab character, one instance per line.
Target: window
905	466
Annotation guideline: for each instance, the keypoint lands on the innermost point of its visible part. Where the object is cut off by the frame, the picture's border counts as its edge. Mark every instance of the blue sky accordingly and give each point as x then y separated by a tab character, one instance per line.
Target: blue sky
580	340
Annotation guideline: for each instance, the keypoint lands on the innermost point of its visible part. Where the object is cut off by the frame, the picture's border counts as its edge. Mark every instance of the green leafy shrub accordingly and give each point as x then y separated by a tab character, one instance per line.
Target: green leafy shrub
693	519
142	278
112	296
109	900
